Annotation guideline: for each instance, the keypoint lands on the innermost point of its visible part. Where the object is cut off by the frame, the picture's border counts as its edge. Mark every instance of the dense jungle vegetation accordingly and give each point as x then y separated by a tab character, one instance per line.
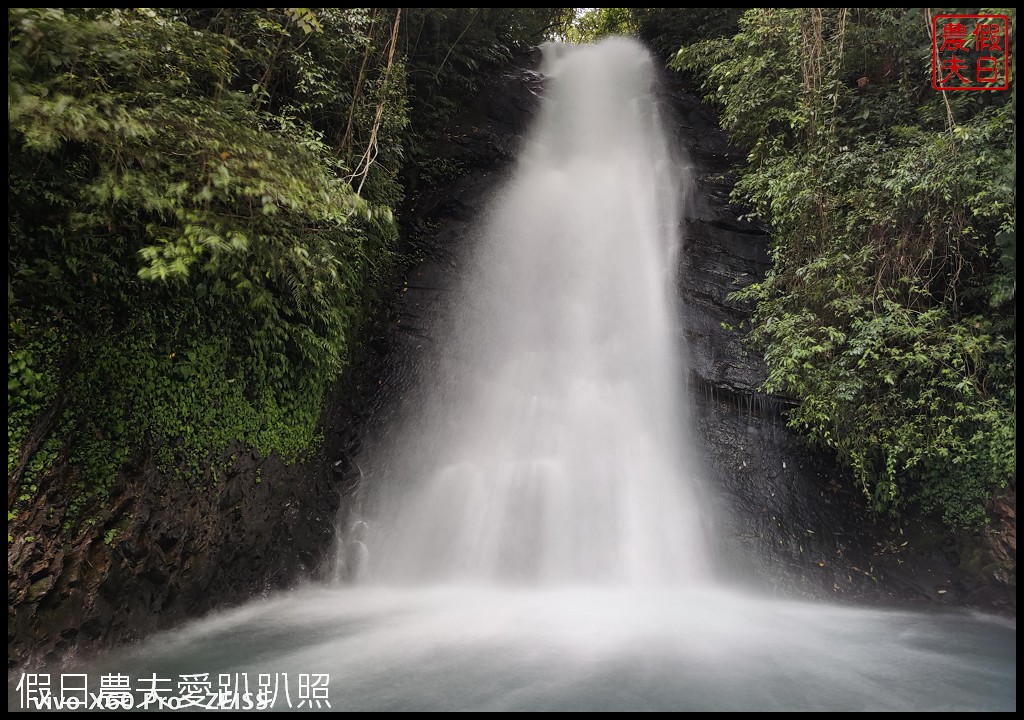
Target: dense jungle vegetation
889	312
201	216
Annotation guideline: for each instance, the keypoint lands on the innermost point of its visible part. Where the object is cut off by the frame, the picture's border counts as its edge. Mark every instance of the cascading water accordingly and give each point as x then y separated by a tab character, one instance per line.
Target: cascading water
554	448
537	541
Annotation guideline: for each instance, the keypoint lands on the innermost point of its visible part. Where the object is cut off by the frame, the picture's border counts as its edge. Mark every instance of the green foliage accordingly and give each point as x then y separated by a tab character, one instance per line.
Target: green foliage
192	235
595	23
451	51
662	29
889	308
32	380
665	29
169	384
202	215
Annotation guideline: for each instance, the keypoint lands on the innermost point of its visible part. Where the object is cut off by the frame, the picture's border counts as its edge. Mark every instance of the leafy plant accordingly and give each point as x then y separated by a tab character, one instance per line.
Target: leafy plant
184	239
888	311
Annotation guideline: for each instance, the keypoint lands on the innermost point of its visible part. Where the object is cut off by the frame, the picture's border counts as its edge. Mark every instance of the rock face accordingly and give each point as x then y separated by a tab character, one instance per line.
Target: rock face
164	550
789	519
786	518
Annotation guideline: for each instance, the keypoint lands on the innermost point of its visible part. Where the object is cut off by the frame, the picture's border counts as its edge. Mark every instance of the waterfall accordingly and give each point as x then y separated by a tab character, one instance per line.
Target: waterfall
535	538
552	447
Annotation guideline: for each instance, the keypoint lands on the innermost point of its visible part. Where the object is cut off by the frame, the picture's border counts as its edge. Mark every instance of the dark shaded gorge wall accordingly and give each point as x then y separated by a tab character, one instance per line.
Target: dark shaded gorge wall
172	548
791	520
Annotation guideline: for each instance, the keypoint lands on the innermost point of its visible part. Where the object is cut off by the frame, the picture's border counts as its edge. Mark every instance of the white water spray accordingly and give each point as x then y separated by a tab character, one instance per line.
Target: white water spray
554	448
